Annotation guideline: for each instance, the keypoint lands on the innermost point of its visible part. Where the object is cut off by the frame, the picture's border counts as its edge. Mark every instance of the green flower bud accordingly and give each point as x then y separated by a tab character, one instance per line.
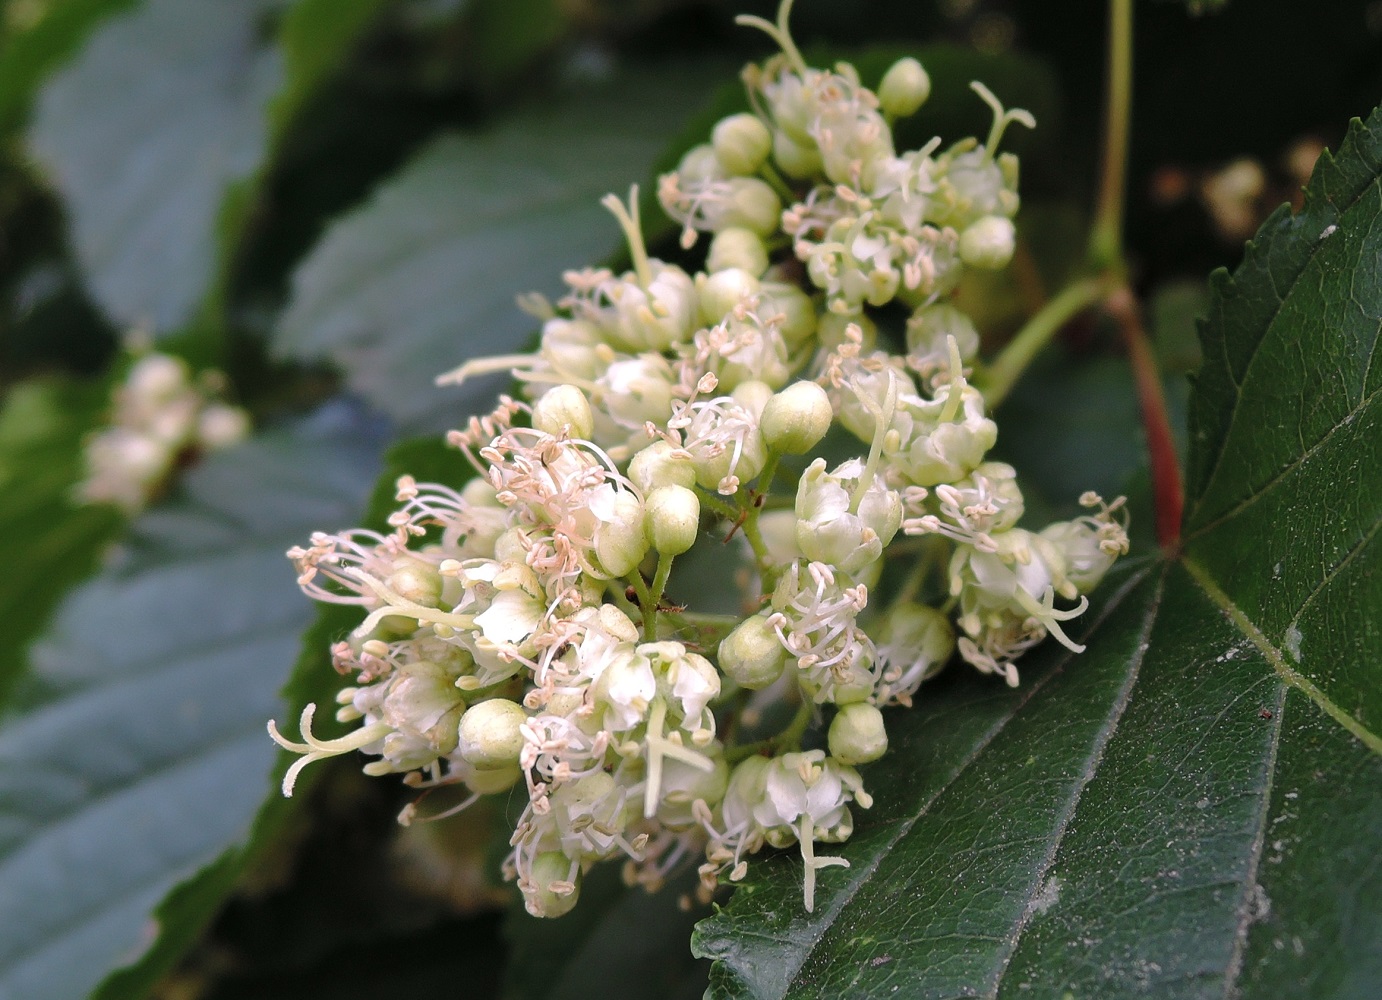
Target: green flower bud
928	349
988	243
798	312
721	291
660	464
857	735
416	581
699	163
492	781
489	734
832	326
674	518
735	247
548	893
564	408
752	655
753	396
741	143
904	89
752	204
620	542
798	160
795	419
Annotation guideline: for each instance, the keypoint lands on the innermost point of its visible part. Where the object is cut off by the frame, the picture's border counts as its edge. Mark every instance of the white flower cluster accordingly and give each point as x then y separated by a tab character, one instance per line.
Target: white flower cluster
161	415
521	632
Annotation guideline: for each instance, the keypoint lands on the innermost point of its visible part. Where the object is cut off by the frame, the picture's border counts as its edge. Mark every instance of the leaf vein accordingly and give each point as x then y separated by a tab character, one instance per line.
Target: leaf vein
1091	766
1274	657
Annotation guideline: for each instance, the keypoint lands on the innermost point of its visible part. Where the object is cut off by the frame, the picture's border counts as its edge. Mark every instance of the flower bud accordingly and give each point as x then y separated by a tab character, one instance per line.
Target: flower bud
620	542
735	247
156	377
674	519
564	408
795	419
720	291
699	163
832	327
490	737
753	396
219	426
549	869
571	347
928	349
989	242
752	654
661	464
492	781
741	143
904	89
797	311
857	735
798	160
752	204
416	581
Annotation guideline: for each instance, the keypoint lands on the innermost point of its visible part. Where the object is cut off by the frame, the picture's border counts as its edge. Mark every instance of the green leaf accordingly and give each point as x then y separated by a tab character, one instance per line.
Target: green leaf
1191	808
423	277
157	132
50	543
137	757
29	55
144	131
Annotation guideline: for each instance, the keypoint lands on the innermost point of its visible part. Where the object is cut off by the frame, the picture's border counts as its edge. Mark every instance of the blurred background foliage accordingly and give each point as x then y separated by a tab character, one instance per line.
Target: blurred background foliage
237	180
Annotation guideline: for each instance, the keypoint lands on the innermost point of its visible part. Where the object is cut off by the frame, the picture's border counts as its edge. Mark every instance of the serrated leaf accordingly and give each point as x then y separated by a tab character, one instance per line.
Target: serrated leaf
424	276
139	757
1191	808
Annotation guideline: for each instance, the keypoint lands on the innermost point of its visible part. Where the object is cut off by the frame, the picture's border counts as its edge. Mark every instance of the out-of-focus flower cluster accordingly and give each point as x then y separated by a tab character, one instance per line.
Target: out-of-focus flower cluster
161	414
526	631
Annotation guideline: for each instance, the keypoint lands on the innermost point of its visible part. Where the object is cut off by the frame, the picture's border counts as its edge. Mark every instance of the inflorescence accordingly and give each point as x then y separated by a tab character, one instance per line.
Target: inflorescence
521	631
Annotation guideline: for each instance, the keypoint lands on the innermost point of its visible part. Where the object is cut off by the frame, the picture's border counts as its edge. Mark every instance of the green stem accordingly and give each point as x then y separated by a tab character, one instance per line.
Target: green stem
664	570
645	602
1106	238
751	530
1008	367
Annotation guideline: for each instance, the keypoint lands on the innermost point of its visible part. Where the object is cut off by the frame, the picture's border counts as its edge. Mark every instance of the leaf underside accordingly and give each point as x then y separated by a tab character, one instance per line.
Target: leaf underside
135	753
142	134
1191	808
424	276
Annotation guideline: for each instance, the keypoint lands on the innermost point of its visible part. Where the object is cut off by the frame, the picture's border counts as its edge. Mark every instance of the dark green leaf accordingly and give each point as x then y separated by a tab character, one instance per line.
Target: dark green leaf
1284	498
50	543
424	277
139	755
1191	807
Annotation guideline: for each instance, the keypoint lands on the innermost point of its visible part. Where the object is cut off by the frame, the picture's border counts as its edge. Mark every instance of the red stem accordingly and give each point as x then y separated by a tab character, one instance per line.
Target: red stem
1161	449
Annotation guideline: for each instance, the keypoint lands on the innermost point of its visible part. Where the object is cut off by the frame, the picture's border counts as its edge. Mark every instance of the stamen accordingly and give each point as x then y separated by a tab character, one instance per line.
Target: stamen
628	221
778	32
1001	118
